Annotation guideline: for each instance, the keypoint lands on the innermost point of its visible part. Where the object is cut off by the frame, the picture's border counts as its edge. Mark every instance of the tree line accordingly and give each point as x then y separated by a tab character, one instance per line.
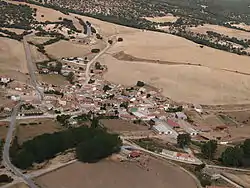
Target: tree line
92	144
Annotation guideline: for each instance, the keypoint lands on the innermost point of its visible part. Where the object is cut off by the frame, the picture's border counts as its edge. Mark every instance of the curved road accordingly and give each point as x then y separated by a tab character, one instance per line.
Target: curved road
6	158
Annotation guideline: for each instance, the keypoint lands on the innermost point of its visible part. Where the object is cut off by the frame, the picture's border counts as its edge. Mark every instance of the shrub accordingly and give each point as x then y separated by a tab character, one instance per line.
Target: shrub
95	50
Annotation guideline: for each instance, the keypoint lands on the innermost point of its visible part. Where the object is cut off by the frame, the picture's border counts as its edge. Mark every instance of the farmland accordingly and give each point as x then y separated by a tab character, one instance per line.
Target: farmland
114	174
31	128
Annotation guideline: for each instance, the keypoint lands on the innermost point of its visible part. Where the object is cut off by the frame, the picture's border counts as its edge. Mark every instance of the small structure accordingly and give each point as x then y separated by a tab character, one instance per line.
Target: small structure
198	108
181	115
15	98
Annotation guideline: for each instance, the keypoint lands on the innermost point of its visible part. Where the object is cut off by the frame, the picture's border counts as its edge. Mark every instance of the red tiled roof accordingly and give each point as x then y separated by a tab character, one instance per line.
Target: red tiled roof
172	123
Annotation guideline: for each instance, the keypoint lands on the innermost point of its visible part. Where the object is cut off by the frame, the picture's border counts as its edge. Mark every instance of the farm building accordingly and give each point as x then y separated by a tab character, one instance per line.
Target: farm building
161	127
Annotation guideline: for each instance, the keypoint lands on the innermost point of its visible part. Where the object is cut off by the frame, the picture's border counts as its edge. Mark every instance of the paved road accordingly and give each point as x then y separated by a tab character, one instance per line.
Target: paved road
31	68
6	158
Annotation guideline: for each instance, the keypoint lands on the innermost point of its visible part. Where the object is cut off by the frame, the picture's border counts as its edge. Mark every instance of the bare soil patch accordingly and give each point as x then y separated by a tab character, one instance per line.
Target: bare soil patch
114	174
167	18
222	30
27	130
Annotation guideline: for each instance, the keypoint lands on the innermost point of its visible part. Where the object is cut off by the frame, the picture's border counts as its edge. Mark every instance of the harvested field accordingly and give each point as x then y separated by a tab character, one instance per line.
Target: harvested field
68	49
167	18
114	174
28	130
217	80
118	125
239	133
241	117
54	79
12	59
222	30
36	55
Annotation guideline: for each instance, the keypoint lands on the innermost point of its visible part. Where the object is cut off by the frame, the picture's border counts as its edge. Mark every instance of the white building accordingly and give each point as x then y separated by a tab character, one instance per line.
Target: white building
161	127
181	115
15	98
198	108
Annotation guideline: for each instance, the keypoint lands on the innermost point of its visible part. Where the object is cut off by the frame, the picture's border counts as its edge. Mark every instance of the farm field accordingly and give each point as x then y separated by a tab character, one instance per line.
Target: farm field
28	130
222	30
3	129
213	75
114	174
118	125
12	59
69	49
52	79
242	179
19	185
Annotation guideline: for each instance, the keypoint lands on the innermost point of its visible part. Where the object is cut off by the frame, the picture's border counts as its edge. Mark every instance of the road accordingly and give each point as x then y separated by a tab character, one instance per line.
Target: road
6	158
31	68
87	76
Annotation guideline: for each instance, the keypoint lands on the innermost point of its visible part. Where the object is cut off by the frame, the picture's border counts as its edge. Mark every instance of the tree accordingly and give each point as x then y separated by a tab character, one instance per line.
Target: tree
98	65
58	67
106	88
246	148
95	122
70	77
98	147
208	149
95	50
120	39
183	140
110	41
140	84
232	156
124	104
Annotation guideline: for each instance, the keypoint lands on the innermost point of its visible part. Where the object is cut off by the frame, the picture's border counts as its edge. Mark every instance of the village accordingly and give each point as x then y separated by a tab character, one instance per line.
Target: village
63	86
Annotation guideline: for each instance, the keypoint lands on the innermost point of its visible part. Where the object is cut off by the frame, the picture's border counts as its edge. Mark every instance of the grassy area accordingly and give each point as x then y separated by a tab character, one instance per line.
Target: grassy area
54	79
156	145
31	128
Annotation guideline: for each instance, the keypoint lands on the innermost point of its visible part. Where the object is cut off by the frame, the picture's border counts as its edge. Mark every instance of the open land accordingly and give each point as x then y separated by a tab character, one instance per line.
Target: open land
222	30
68	49
228	81
3	129
19	185
53	79
113	174
162	19
12	59
27	130
118	125
242	179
